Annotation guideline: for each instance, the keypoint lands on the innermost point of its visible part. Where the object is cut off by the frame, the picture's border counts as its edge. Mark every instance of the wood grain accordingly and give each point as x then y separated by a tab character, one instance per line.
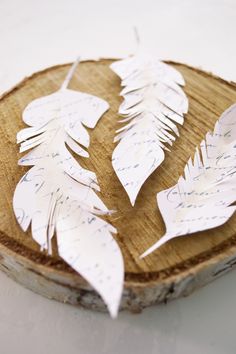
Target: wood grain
159	276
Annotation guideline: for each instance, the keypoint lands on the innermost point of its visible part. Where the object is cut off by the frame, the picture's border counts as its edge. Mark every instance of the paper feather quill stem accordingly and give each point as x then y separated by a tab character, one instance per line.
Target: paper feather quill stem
203	198
57	195
153	104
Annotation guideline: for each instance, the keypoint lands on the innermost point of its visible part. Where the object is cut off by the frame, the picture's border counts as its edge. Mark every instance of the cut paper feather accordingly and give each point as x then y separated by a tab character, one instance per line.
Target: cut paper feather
153	104
57	195
202	199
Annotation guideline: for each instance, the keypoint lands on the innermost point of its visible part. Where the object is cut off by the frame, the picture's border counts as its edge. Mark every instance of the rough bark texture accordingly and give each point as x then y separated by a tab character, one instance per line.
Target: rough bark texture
177	268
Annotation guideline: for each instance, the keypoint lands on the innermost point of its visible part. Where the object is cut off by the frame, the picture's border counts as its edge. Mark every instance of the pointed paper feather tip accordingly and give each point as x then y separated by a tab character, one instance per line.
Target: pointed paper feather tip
156	245
114	309
132	195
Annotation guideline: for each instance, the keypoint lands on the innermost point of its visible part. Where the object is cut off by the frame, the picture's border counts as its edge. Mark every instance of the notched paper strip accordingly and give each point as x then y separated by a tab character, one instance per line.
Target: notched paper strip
57	195
153	104
203	198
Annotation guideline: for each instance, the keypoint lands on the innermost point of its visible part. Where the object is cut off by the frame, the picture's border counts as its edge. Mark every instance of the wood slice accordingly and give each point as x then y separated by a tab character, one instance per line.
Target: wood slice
179	266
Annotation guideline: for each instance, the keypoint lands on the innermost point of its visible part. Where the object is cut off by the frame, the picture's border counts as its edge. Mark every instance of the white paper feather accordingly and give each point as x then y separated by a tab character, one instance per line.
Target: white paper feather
57	194
153	104
202	199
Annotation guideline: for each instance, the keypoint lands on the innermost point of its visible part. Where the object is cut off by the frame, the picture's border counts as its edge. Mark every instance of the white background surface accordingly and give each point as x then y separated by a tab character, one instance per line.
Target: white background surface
36	34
